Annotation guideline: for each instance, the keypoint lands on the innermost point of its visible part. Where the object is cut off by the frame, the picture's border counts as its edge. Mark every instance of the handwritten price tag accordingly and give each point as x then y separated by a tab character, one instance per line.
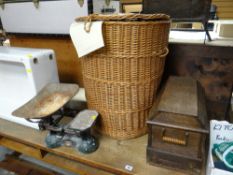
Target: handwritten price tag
220	131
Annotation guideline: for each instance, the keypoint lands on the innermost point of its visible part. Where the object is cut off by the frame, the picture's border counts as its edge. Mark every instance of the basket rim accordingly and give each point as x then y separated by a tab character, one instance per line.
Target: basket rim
138	23
124	17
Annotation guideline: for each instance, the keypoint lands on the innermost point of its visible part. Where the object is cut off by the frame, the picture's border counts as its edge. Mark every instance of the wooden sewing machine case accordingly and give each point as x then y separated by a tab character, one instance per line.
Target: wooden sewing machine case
178	127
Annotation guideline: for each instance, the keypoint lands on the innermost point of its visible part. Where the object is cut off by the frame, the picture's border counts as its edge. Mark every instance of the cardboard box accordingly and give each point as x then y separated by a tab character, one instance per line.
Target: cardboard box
218	134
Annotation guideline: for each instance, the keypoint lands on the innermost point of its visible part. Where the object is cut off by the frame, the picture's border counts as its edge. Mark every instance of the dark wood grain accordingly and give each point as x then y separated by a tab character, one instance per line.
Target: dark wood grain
212	66
182	10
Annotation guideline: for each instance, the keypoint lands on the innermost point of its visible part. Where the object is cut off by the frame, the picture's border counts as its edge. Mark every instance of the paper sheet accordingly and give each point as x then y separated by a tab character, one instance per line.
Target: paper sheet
86	42
220	131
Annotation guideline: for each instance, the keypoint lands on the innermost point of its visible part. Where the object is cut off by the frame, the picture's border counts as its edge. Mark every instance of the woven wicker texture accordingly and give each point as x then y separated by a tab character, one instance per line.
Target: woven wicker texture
122	78
127	17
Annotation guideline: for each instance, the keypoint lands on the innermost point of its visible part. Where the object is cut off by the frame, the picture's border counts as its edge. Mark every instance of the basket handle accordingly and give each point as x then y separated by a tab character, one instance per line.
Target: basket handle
88	24
165	53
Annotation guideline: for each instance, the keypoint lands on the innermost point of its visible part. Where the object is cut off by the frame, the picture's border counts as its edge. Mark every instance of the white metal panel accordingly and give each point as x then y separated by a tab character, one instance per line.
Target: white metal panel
52	17
21	78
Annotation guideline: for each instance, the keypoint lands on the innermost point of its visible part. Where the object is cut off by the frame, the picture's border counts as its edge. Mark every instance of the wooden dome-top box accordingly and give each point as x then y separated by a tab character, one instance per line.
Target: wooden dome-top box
178	127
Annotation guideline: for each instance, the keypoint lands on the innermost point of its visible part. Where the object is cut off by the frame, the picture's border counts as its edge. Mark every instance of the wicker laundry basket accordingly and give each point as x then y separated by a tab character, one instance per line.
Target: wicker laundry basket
121	79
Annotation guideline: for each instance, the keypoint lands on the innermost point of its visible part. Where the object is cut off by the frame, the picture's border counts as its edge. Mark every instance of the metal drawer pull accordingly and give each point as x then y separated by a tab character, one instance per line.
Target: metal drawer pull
174	140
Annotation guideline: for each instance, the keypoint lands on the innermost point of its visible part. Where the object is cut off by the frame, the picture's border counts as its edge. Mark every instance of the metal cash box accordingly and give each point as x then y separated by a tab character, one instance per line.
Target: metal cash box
178	127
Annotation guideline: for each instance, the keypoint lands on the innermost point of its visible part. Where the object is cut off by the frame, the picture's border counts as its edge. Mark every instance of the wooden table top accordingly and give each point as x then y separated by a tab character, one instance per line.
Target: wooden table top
112	155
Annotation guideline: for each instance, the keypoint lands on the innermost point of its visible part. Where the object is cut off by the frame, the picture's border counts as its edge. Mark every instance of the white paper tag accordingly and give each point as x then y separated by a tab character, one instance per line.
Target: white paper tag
220	131
129	167
86	42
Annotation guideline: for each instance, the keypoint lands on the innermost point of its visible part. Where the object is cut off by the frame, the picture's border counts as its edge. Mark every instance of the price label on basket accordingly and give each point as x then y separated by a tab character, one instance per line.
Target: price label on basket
85	41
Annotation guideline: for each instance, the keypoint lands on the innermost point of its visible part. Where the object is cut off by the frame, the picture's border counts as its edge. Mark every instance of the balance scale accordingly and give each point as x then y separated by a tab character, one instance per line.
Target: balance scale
30	77
48	107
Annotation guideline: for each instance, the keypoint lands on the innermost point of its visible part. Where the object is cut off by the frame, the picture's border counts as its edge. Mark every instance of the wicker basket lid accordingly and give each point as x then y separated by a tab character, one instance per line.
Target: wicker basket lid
124	17
121	17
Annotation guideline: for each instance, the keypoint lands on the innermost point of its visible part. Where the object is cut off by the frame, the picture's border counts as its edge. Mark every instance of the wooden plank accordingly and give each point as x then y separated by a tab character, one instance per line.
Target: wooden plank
224	8
225	15
51	159
221	1
132	8
72	166
22	148
131	1
112	155
21	167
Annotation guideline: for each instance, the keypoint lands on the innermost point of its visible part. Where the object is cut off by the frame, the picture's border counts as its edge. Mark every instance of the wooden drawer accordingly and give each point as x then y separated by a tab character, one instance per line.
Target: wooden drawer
176	141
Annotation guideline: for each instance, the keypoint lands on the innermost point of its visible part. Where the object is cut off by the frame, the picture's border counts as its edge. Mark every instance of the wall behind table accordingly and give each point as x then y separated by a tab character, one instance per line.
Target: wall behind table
212	66
69	66
225	8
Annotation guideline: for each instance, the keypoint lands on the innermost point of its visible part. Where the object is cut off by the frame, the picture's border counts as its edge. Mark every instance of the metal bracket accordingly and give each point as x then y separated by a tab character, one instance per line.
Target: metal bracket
107	2
2	4
36	3
80	2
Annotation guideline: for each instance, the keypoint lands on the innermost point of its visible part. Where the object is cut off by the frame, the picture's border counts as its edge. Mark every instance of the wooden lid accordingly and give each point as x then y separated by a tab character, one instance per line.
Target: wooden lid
183	99
180	96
